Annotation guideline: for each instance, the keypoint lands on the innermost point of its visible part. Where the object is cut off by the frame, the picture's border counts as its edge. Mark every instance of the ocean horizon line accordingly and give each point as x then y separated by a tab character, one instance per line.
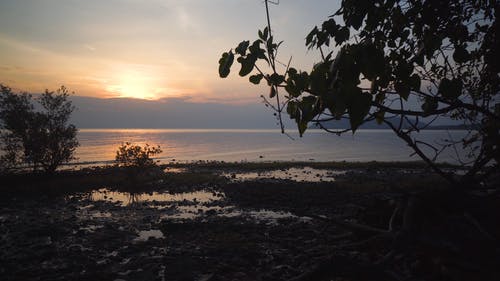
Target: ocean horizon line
213	130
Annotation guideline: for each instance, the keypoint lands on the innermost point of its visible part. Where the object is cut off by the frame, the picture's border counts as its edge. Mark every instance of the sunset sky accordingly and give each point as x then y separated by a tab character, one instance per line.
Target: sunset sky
144	48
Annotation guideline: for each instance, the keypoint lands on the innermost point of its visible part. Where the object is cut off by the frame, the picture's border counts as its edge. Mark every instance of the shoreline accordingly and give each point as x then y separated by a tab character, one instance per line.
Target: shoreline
92	177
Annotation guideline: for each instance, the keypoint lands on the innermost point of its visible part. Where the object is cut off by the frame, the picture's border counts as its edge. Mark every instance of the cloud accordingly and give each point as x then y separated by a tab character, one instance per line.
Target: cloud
89	47
167	113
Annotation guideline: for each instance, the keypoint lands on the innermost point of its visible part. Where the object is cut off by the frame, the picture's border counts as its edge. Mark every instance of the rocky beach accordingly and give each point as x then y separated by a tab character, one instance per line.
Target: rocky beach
225	221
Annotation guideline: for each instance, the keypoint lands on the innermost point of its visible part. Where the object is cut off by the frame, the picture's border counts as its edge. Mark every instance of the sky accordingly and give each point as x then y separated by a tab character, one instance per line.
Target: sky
146	49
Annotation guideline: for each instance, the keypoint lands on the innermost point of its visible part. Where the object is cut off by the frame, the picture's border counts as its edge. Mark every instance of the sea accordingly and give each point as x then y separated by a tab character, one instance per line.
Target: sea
99	146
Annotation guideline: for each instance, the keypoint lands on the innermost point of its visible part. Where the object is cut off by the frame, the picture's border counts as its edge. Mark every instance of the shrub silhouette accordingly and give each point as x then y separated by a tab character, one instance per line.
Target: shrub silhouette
130	155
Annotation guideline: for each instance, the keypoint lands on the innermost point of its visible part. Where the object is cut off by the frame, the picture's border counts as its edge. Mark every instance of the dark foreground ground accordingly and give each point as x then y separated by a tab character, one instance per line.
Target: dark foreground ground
220	221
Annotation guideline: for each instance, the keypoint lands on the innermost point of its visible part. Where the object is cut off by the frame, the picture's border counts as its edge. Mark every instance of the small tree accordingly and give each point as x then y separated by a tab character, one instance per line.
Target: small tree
36	136
130	155
401	63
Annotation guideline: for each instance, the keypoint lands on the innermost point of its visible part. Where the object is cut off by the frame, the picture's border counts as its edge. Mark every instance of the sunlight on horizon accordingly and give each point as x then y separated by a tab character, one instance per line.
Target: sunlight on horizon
142	81
141	49
133	85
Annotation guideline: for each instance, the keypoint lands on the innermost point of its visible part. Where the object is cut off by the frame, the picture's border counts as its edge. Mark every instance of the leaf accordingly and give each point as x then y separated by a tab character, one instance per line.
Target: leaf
371	61
308	109
291	109
419	59
257	52
242	48
405	34
263	35
330	26
276	79
225	63
450	89
380	117
322	39
461	54
296	83
345	65
247	64
402	89
272	92
338	101
255	79
302	126
292	71
318	80
432	42
404	70
342	35
292	89
415	82
359	108
310	36
355	20
380	97
429	105
270	44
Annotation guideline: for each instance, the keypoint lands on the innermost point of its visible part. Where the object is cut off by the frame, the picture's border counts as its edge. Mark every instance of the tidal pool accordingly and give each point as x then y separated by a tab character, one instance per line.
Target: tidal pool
128	198
305	174
176	206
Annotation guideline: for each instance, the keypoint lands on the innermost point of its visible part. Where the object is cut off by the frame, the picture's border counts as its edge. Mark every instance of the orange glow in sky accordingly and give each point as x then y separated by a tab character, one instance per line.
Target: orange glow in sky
136	84
145	49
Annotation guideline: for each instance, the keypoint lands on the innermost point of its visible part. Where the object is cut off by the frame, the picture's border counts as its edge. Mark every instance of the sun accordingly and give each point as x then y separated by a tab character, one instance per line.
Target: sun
144	82
132	88
133	85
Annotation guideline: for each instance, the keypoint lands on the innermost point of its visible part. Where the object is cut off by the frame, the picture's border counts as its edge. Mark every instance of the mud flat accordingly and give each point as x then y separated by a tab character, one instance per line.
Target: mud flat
205	222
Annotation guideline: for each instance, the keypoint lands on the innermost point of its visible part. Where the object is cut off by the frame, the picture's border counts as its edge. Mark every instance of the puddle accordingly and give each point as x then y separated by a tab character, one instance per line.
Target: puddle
175	170
263	215
145	235
306	174
177	206
127	198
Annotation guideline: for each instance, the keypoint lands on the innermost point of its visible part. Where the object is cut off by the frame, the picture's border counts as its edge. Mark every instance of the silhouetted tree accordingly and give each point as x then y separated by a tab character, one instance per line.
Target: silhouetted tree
138	163
131	155
35	131
396	62
403	61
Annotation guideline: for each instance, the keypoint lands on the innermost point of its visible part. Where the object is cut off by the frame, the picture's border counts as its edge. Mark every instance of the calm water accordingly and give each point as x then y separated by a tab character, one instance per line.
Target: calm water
99	145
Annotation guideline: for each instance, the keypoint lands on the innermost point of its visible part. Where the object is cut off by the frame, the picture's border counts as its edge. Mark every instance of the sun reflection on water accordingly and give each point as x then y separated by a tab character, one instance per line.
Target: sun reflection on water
129	198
